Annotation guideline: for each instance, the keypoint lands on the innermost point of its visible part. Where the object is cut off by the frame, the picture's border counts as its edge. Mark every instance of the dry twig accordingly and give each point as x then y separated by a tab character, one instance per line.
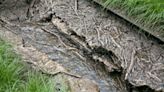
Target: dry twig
66	73
70	48
76	5
115	42
131	64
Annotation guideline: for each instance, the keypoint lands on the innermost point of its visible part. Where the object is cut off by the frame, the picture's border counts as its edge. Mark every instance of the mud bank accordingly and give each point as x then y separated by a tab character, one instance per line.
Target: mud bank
89	42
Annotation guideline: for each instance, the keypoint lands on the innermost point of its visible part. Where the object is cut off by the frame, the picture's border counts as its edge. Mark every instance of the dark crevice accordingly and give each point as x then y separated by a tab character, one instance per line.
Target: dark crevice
28	1
102	51
73	33
144	88
47	18
110	56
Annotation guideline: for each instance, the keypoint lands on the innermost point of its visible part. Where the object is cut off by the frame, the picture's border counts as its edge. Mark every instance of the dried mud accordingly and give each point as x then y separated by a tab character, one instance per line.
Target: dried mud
88	41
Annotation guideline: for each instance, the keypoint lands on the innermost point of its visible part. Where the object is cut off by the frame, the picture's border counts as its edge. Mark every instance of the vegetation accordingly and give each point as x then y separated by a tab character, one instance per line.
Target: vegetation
15	77
149	13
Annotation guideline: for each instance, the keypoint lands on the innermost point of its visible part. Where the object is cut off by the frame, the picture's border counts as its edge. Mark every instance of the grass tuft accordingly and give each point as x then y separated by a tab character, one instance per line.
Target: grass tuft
15	77
149	13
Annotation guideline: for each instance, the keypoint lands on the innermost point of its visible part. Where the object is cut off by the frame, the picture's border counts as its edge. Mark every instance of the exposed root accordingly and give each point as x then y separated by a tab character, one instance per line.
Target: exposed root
65	73
69	48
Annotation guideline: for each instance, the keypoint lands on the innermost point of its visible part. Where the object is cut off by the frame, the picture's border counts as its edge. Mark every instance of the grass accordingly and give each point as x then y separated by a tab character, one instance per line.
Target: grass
15	77
149	13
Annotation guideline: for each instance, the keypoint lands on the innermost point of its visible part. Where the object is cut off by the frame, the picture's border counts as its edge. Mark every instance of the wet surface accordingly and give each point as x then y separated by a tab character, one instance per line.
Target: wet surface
105	37
71	58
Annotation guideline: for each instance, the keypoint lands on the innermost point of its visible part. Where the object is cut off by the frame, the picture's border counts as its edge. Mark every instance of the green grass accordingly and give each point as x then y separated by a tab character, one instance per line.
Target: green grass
16	77
149	13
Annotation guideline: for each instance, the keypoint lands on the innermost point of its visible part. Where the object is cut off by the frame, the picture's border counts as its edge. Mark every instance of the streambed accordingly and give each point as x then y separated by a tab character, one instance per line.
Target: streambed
89	42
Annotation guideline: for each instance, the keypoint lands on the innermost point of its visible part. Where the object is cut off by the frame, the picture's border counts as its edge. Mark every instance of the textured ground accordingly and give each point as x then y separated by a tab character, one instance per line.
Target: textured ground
88	41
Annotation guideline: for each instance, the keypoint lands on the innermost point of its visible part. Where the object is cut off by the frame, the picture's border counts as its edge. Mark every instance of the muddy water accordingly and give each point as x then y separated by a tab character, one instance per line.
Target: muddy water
101	38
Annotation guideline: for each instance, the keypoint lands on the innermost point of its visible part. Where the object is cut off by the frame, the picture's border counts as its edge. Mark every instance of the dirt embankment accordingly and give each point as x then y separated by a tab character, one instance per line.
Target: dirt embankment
89	42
